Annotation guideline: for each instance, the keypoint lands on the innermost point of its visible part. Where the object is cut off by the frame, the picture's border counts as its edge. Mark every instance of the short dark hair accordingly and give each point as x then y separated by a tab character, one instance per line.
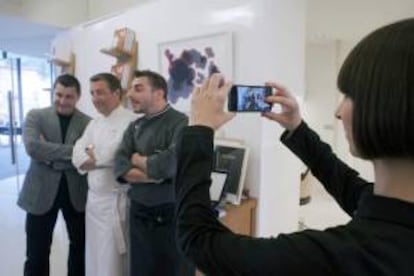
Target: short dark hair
156	80
378	76
68	80
112	81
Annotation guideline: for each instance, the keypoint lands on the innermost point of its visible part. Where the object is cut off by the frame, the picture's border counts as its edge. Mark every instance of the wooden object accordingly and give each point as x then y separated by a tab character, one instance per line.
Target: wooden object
66	66
241	219
124	49
305	187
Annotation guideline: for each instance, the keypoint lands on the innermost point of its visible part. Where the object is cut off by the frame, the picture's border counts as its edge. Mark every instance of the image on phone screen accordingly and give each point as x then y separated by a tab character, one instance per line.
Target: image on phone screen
245	98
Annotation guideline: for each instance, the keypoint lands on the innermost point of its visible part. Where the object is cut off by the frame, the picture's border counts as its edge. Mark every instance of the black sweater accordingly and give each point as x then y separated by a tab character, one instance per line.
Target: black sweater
379	240
155	137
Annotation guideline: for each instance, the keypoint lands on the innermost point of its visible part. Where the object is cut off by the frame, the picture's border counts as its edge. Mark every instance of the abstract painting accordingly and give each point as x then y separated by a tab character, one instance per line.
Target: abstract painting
187	63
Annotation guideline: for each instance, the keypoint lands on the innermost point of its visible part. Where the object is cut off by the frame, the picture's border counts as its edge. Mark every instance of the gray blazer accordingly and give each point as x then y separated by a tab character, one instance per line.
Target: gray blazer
50	159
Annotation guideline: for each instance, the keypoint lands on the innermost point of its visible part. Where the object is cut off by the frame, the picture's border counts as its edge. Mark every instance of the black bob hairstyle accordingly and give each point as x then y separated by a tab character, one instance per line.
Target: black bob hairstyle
378	76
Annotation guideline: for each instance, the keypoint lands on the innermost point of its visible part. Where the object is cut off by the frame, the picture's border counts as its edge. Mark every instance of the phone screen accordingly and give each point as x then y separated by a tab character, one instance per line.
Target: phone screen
246	98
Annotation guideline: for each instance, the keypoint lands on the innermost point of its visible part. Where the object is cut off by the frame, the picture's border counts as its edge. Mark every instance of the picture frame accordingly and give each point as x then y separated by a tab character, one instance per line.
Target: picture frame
186	63
231	157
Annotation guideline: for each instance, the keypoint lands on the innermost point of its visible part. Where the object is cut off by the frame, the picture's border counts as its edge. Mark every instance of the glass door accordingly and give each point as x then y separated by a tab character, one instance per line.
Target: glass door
12	218
24	84
10	127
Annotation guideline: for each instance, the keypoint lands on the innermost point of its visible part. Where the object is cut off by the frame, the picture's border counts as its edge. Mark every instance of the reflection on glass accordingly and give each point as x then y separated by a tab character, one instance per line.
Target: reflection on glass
24	84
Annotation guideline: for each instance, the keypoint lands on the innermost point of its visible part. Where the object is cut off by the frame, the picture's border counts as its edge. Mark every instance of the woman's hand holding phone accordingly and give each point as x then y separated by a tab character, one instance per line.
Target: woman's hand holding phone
289	117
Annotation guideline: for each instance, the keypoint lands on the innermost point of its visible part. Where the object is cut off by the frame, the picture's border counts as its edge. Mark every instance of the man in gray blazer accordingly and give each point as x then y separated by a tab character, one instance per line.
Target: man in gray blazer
52	183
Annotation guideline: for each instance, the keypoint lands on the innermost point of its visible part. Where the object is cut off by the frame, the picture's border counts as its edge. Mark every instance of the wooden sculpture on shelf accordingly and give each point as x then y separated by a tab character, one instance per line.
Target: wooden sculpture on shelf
124	48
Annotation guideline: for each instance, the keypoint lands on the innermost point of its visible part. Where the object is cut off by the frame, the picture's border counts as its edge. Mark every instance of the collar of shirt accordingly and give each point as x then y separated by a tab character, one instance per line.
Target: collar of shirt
386	209
143	121
150	116
113	113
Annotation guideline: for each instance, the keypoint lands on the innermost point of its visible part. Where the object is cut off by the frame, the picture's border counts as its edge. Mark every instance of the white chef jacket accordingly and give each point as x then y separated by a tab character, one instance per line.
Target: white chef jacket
106	204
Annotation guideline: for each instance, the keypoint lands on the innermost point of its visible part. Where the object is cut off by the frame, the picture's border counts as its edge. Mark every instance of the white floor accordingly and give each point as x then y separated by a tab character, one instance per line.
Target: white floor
13	238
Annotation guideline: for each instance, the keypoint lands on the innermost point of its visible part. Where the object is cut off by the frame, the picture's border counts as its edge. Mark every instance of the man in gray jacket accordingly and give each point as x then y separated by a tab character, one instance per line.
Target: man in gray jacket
52	183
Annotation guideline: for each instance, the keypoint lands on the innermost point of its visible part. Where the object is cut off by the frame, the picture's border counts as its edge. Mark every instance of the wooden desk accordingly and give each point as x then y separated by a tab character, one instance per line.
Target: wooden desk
241	219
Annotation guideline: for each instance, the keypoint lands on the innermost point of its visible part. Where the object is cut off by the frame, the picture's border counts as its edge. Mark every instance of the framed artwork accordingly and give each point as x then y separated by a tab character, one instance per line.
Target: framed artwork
231	158
186	63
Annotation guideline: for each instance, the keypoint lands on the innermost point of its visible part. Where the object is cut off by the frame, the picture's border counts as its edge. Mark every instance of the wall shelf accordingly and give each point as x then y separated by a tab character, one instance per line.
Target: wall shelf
117	53
66	66
125	50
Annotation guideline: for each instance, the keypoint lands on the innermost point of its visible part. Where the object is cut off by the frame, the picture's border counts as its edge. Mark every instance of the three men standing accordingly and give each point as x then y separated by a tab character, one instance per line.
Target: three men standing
143	156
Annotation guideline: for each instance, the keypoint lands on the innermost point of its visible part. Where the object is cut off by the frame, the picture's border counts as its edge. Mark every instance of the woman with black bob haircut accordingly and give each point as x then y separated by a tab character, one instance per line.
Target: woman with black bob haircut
377	113
378	76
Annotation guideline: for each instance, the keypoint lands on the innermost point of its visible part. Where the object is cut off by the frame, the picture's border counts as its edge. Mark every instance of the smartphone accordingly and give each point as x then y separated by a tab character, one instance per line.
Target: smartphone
249	98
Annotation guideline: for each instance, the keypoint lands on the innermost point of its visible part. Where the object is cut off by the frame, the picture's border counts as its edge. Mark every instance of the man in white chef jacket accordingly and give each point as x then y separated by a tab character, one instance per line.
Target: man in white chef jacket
105	252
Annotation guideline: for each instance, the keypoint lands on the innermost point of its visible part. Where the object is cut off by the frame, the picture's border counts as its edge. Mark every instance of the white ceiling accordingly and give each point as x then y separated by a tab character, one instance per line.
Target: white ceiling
24	37
349	20
11	2
327	20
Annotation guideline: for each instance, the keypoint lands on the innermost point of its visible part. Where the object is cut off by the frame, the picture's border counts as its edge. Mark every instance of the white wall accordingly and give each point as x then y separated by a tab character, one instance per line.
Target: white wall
269	41
284	36
321	93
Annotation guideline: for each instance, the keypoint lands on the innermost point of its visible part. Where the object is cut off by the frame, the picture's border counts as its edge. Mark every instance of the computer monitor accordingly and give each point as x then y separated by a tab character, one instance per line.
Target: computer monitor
230	157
